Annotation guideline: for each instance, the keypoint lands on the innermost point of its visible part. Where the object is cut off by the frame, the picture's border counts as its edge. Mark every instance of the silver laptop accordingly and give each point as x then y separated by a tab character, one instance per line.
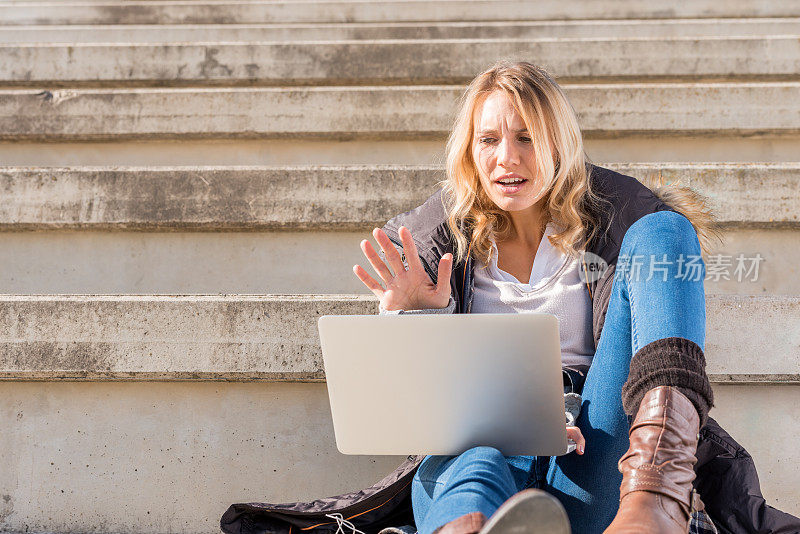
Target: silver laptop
441	384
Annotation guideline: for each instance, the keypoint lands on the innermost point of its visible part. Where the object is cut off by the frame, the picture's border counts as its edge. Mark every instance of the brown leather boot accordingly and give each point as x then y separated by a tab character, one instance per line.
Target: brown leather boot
658	469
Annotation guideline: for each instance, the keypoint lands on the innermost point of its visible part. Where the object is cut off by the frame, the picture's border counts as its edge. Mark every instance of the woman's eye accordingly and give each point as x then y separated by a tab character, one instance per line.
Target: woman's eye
525	139
486	140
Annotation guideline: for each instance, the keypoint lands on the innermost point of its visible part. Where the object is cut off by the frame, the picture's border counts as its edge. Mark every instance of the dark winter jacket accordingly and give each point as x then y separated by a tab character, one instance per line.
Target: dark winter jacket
726	479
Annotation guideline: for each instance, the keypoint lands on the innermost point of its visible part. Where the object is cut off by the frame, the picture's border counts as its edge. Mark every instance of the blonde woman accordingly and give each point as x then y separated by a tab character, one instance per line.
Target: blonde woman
520	207
526	223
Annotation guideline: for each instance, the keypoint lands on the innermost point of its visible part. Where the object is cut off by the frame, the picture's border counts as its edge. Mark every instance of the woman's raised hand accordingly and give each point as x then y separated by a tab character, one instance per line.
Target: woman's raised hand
410	289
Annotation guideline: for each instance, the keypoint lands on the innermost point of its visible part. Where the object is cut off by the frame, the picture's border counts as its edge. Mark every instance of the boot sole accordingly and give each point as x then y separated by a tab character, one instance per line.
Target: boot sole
530	511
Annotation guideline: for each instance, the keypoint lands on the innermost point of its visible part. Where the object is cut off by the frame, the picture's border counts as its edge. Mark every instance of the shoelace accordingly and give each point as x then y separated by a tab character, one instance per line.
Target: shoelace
343	523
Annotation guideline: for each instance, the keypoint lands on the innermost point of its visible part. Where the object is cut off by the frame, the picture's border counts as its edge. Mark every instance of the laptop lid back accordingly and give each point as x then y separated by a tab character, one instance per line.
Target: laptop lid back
441	384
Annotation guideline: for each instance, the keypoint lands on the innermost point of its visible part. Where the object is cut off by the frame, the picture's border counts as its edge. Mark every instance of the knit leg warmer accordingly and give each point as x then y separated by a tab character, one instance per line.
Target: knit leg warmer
672	361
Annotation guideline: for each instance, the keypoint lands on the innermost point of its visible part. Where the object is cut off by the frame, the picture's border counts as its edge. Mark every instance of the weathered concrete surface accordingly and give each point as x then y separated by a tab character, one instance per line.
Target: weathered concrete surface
321	198
253	11
331	197
722	147
165	457
231	113
92	451
641	147
605	110
82	262
170	152
779	272
749	413
165	337
173	33
286	262
87	337
397	61
750	338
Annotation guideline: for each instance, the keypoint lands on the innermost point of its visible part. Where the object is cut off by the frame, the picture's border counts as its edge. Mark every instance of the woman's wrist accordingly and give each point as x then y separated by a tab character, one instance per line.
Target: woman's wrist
450	308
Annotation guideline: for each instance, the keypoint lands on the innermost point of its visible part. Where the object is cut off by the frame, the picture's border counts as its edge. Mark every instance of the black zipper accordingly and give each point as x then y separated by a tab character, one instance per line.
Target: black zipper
468	270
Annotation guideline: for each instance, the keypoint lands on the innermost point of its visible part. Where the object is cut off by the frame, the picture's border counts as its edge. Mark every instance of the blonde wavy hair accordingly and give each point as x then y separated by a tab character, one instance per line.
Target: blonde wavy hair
560	159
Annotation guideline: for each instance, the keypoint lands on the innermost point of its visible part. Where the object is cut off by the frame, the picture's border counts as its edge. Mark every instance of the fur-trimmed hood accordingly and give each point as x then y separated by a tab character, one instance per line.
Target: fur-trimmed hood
695	207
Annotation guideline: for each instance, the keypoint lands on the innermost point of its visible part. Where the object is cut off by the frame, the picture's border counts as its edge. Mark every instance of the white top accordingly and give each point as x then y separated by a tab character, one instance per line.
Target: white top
555	287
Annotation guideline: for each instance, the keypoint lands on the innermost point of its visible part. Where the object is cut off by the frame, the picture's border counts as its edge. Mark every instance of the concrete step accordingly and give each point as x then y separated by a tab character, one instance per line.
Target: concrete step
727	146
169	262
93	451
341	198
156	457
274	337
748	413
253	11
604	110
397	61
129	33
158	230
592	29
100	441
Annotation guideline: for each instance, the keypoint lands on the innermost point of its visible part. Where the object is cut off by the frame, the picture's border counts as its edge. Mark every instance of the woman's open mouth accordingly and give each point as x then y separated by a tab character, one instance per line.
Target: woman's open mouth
511	184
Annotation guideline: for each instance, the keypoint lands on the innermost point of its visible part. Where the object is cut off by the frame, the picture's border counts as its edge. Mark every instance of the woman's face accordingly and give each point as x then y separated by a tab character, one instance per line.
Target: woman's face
502	148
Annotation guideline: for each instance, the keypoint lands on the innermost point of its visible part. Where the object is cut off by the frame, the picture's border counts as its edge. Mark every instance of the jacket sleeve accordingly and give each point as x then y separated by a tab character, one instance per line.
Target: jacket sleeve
450	308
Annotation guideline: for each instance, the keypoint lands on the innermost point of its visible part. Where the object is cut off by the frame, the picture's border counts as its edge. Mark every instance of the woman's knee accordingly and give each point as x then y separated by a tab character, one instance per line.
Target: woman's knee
434	468
482	454
659	233
474	463
479	459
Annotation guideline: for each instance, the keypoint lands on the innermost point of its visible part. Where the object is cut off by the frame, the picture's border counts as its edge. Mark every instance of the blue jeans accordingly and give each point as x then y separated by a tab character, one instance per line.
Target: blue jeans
670	304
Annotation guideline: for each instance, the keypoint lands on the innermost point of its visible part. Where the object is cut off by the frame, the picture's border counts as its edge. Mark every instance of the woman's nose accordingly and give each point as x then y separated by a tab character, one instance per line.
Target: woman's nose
507	155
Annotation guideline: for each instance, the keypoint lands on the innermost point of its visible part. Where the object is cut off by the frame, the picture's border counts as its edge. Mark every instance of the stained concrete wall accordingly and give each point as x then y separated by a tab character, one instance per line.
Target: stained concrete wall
757	204
155	12
291	32
624	148
70	261
141	456
170	457
389	61
327	198
398	112
749	413
165	457
275	337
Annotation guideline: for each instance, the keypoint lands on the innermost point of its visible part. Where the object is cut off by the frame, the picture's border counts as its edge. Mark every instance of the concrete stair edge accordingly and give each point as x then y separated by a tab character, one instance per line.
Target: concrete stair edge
291	32
338	197
350	11
392	61
768	108
274	337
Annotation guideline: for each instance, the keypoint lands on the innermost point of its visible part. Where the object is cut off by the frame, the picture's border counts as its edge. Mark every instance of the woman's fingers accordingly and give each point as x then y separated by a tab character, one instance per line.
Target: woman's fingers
574	433
410	249
368	281
392	256
443	276
376	262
